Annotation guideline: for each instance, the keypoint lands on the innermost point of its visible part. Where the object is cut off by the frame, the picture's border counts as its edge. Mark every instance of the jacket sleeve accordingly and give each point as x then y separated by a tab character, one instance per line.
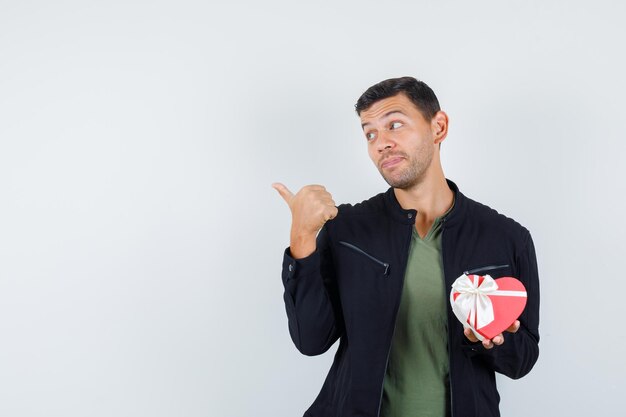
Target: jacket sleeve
519	352
312	299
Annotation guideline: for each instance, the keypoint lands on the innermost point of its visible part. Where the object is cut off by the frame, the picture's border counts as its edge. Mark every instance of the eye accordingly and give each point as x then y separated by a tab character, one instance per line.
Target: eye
395	125
370	136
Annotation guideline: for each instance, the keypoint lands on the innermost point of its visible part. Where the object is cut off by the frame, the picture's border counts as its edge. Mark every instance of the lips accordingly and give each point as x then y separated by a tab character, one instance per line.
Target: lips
391	161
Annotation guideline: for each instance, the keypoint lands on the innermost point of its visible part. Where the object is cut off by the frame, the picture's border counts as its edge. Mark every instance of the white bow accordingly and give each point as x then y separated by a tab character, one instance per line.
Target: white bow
473	305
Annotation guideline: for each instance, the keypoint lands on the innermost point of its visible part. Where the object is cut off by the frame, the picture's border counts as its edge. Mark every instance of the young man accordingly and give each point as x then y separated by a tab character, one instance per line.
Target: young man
377	275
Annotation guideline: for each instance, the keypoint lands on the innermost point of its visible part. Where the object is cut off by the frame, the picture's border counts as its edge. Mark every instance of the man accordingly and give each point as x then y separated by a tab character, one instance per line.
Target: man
376	275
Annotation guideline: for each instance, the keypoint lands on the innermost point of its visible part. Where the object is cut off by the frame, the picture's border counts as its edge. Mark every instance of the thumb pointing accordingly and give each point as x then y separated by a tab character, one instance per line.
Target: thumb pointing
283	191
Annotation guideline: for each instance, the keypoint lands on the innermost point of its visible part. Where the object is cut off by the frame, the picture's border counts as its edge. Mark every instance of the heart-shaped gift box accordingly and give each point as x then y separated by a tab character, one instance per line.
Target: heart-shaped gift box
485	305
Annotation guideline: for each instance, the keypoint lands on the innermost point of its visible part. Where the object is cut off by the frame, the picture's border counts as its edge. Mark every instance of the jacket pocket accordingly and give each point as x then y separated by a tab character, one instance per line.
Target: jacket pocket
385	265
479	270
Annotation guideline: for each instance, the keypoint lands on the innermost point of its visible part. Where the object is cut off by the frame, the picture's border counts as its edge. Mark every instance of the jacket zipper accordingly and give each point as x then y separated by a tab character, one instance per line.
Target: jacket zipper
443	270
468	272
485	268
361	251
395	321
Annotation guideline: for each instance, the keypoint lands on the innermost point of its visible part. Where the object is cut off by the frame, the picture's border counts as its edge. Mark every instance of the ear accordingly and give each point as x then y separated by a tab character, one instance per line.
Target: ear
439	126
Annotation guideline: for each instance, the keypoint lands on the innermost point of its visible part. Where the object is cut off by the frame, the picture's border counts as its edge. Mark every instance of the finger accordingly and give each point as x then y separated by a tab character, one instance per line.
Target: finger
514	327
498	340
330	214
488	344
316	187
283	191
470	335
322	195
326	199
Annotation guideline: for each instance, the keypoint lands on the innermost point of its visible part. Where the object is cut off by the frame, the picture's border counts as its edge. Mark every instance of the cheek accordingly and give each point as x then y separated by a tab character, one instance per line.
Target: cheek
371	152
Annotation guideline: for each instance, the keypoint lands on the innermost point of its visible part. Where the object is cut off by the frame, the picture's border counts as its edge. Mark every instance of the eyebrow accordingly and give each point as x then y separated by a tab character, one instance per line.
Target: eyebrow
383	116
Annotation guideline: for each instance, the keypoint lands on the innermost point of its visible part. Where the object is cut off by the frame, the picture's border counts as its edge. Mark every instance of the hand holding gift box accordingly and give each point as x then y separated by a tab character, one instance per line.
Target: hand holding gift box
487	307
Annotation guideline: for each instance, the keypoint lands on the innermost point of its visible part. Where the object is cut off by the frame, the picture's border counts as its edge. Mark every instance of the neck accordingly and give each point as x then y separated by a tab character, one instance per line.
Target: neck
431	197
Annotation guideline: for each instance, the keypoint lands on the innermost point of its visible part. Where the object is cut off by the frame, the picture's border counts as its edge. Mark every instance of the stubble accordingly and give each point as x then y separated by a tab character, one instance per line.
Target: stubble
414	171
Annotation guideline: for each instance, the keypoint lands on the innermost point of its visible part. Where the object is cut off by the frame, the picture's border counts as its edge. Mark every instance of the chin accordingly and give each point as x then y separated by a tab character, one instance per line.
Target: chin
399	183
403	183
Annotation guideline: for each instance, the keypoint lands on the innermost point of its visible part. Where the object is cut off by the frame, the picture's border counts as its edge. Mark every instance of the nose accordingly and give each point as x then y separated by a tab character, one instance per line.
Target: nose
385	141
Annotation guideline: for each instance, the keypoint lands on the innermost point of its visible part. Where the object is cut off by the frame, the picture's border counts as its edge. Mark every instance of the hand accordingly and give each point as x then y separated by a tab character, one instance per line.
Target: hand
310	207
497	340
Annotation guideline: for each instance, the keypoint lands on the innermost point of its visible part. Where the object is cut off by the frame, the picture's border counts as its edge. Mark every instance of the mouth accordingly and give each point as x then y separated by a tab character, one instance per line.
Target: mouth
391	161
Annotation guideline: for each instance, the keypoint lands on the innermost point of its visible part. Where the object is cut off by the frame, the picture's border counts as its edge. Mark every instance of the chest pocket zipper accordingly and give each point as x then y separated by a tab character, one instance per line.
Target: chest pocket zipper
485	268
362	252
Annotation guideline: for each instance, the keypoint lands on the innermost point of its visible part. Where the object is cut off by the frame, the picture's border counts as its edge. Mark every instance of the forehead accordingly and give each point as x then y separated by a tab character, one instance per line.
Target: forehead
398	103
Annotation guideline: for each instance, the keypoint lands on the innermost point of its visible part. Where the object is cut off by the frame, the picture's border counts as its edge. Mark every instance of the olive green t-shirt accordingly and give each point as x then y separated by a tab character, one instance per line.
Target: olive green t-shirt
416	381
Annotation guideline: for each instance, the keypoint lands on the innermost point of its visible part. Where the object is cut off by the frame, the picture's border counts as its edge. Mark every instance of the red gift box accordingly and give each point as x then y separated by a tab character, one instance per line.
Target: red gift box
485	305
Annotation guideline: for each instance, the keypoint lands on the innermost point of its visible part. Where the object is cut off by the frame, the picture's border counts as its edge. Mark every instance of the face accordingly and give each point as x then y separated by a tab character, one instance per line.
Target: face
401	143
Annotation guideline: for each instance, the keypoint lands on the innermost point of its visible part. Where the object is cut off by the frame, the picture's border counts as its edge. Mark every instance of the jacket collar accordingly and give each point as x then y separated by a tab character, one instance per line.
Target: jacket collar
408	216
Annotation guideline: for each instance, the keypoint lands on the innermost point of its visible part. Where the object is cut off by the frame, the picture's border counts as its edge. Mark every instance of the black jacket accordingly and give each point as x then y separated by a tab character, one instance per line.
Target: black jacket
349	289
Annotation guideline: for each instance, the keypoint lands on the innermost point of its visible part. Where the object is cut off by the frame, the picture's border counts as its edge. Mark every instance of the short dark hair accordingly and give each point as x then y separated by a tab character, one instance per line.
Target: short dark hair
417	91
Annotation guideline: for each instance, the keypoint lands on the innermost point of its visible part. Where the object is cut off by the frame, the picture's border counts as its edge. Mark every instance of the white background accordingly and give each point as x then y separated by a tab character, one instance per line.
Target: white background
141	242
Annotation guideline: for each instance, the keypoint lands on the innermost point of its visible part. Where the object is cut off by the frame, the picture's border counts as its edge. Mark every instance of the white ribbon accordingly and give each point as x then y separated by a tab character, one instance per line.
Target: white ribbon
473	306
